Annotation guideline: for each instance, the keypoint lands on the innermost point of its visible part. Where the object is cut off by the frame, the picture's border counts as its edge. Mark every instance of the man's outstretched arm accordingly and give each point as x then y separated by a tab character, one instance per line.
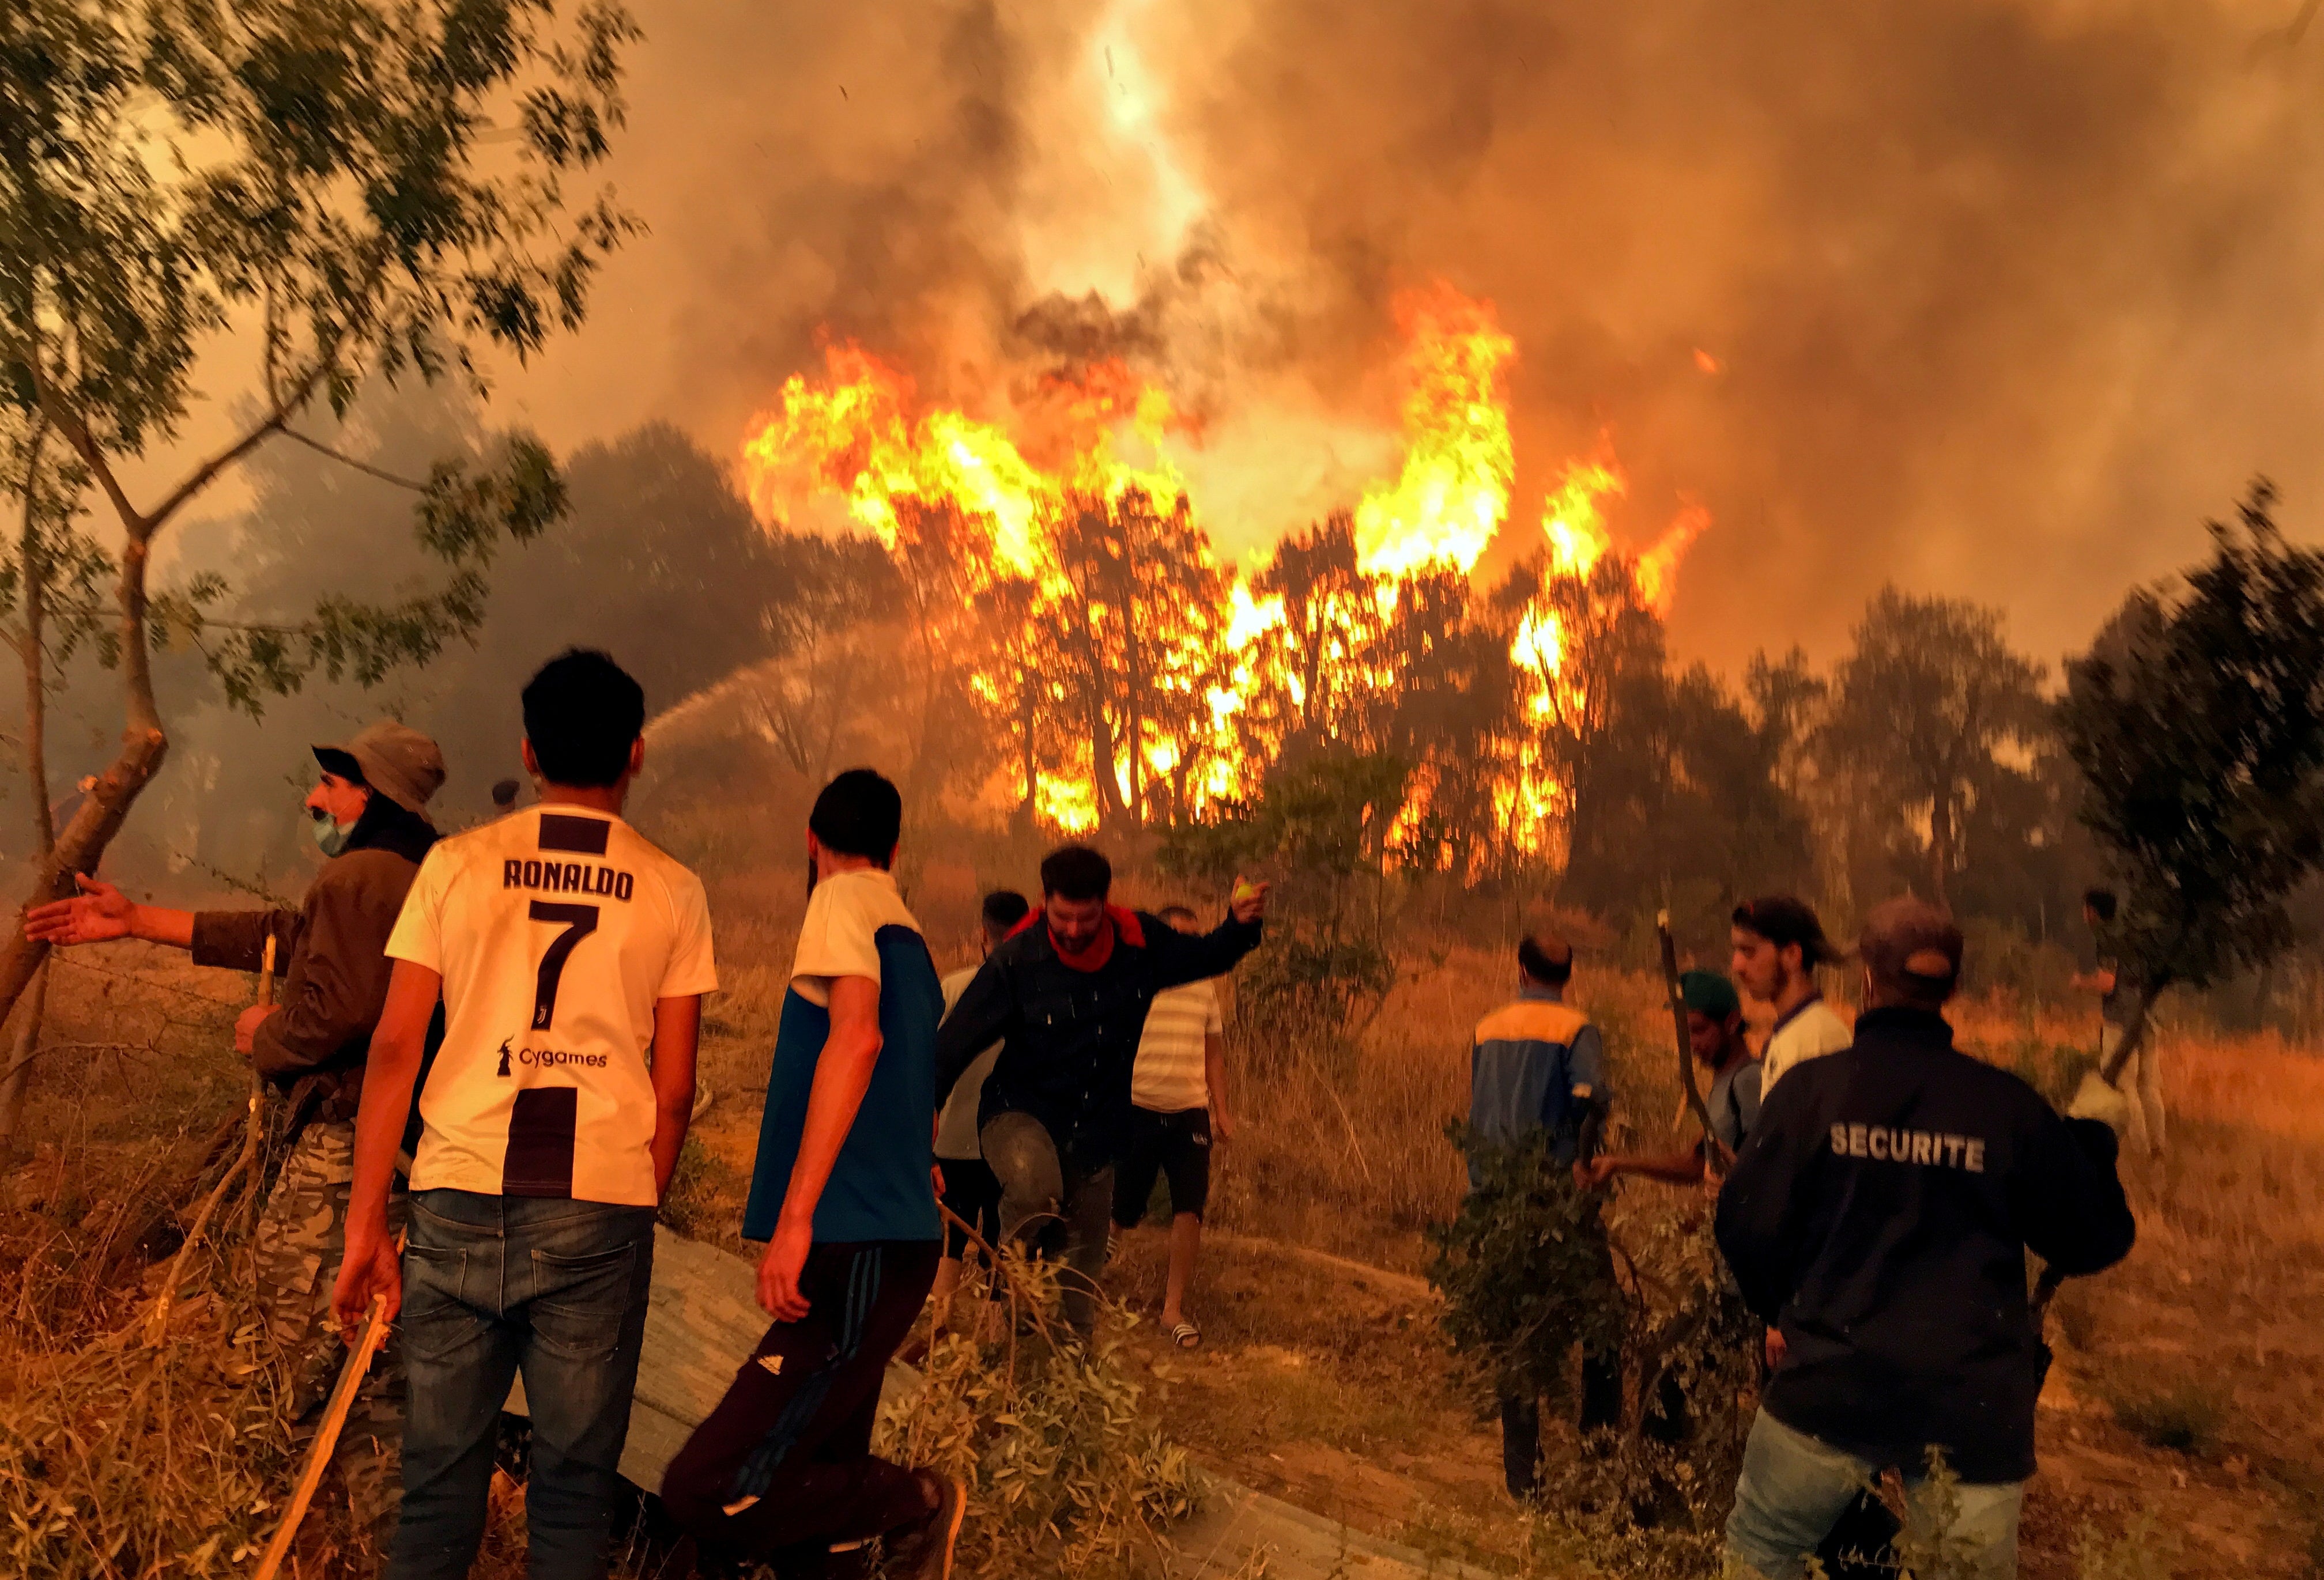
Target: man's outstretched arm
100	912
984	1014
1176	958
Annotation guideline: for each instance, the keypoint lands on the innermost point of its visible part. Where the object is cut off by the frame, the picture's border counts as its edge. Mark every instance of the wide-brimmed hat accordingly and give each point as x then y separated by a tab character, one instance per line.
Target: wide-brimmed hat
395	759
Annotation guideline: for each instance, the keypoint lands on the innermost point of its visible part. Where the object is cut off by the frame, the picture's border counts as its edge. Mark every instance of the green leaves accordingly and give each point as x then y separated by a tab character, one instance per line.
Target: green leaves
1933	710
325	163
2198	722
1524	1269
464	516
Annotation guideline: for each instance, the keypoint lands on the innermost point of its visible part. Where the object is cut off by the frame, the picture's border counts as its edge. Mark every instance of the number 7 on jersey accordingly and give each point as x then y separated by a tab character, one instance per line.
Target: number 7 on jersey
580	921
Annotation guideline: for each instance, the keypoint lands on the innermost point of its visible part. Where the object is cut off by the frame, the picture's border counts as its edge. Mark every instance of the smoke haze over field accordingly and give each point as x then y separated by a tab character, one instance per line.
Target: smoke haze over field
1994	297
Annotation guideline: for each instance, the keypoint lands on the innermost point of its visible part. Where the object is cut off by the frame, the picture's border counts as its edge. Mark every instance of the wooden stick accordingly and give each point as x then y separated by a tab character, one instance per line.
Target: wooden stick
327	1435
244	1160
1717	1148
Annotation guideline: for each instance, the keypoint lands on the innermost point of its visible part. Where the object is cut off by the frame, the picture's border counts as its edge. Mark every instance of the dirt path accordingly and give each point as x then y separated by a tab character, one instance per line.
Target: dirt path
1324	1385
1241	1532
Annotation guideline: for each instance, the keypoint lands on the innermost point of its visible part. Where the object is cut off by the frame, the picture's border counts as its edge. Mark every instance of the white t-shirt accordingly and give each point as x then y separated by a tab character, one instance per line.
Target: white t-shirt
555	930
1811	1031
839	936
1171	1073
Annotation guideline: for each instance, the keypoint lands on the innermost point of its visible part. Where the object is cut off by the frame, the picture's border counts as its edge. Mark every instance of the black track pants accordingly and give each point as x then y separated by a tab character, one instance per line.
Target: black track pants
785	1460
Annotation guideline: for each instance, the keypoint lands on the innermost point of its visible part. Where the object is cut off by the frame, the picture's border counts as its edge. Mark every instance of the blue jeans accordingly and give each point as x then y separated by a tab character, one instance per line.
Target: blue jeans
494	1285
1795	1488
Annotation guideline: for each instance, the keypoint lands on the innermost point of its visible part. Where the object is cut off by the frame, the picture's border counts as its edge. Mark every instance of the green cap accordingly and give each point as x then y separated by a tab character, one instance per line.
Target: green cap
1709	993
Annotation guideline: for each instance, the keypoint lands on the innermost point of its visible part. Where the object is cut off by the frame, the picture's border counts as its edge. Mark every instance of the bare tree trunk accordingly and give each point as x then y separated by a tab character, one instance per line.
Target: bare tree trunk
24	1047
32	568
1941	852
101	812
1032	767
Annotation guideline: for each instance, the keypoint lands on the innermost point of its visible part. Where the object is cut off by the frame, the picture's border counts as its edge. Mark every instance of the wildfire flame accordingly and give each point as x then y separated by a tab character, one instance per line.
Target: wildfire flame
1458	465
857	435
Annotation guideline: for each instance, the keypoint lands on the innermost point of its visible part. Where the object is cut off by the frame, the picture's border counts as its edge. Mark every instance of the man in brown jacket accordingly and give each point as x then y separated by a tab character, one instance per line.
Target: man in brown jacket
369	811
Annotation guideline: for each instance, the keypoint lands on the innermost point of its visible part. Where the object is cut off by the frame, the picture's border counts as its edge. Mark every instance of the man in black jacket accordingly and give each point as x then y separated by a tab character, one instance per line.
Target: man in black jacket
1879	1215
1066	996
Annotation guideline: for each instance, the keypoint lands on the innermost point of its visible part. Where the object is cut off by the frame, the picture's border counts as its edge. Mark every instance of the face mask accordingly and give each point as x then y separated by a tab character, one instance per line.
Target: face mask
330	837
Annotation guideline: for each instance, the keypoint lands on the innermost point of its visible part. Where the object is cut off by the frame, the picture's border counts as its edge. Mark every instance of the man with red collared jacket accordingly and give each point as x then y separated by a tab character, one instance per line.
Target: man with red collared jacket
1879	1215
1066	996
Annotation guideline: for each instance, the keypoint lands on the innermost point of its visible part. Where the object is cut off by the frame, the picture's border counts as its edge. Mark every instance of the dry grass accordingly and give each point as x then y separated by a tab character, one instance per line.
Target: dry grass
2219	1293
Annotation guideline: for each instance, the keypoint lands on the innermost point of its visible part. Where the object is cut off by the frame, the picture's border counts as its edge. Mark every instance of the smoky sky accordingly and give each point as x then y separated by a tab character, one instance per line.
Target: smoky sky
2003	296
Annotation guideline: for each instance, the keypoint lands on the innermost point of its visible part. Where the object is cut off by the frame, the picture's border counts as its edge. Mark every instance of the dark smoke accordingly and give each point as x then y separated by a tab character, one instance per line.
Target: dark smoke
2006	294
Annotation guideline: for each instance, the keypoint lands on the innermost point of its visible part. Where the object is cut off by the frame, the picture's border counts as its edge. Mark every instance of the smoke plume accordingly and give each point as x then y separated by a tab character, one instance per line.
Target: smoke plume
1991	298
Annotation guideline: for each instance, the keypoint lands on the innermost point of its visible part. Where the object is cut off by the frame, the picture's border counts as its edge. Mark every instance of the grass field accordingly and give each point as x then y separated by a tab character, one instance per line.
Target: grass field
2189	1391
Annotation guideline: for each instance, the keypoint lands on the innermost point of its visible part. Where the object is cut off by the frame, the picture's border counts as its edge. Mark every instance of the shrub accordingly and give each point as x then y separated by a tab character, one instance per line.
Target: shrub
1529	1275
1067	1468
2184	1420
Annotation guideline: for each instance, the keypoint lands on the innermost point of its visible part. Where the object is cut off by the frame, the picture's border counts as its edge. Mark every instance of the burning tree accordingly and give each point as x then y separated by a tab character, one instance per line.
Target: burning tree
1070	588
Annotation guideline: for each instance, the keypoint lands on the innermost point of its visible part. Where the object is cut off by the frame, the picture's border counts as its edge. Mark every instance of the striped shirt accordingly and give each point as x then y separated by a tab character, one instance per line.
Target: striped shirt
1172	1072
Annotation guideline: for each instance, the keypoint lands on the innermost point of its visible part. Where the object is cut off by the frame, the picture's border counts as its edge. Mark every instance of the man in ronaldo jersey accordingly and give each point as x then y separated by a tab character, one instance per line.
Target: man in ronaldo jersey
571	957
783	1470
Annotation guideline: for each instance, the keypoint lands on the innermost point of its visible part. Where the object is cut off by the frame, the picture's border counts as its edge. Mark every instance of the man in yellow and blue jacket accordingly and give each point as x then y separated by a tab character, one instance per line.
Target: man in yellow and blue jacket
1537	1063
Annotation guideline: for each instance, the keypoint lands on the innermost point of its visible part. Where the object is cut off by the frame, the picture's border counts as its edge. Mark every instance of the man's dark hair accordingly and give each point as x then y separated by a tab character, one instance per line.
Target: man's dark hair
1913	953
1548	961
583	713
1003	909
1076	872
1785	919
2100	903
1181	917
859	814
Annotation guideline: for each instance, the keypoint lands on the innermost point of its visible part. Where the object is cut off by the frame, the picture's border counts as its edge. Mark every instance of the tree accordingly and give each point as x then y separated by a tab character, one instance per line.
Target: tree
2197	722
324	176
48	557
1597	650
1935	708
1311	664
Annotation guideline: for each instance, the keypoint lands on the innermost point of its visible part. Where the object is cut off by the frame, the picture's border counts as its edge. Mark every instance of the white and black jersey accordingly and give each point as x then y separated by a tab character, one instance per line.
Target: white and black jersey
555	930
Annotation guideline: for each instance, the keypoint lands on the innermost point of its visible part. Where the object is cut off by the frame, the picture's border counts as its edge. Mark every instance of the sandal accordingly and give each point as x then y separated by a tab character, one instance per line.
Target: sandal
1186	1335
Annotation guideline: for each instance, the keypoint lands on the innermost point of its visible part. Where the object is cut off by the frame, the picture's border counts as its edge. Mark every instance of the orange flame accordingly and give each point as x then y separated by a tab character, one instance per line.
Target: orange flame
1458	465
858	436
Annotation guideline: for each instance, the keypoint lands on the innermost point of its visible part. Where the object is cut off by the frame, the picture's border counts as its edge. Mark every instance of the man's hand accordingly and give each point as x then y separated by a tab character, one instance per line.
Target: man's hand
245	1025
1776	1349
779	1270
100	915
1248	900
1221	1125
1594	1172
371	1267
936	1178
